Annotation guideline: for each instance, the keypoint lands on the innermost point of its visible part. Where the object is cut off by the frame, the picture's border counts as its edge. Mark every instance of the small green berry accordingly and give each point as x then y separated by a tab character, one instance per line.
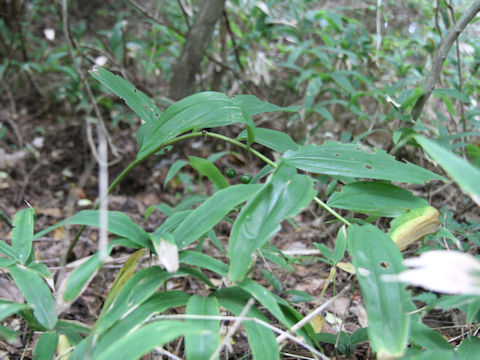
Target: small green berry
231	173
245	179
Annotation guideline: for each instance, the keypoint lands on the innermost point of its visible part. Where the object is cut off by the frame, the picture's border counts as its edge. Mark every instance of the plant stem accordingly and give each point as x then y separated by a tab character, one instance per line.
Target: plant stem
122	176
185	137
243	146
271	163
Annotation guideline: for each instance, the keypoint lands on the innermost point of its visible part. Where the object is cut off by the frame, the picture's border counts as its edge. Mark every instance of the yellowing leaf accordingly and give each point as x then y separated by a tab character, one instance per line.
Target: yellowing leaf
63	347
414	225
346	266
126	272
317	323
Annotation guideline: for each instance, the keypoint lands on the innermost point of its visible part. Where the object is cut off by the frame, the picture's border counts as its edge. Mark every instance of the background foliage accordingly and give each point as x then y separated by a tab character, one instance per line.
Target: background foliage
303	154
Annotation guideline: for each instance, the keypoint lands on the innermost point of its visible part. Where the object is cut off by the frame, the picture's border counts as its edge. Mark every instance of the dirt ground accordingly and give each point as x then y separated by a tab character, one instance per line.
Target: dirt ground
56	176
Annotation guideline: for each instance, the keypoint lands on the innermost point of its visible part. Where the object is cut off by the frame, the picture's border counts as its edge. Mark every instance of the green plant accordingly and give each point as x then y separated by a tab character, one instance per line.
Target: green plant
135	318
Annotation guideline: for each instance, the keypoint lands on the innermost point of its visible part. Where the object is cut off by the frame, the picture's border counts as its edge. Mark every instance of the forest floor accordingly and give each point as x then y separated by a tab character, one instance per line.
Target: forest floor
56	175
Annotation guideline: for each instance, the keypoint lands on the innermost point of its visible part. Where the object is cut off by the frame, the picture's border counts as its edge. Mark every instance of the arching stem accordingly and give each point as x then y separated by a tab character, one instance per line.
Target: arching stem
132	165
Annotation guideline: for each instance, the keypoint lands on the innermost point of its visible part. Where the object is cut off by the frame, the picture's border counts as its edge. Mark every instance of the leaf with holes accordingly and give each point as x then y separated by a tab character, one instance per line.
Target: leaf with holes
375	254
351	160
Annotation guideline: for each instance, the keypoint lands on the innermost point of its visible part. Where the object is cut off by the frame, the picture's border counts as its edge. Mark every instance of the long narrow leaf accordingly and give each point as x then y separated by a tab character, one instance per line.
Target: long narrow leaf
46	346
36	293
261	339
118	224
8	308
465	174
272	139
351	160
283	195
375	254
134	98
134	344
156	304
202	346
207	215
208	169
22	234
375	198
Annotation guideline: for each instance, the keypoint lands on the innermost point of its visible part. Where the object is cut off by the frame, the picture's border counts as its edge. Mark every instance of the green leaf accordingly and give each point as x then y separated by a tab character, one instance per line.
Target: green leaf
137	290
425	337
453	93
261	340
323	111
135	99
449	105
118	224
434	354
284	194
8	334
299	296
174	169
206	109
4	262
272	139
375	199
40	268
172	222
81	276
156	304
351	160
473	153
190	201
255	106
208	169
342	80
202	110
340	245
313	88
455	166
7	250
195	258
203	345
36	293
46	346
22	234
139	342
8	308
375	254
469	348
5	218
265	297
207	215
116	41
